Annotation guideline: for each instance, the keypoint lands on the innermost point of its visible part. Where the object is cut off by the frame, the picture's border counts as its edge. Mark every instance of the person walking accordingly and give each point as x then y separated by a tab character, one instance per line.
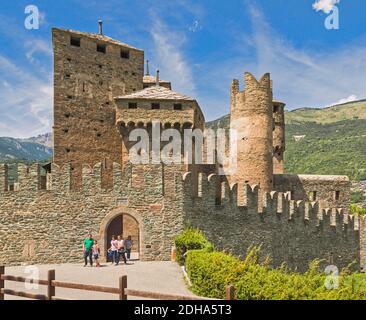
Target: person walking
128	247
87	248
114	250
121	250
96	253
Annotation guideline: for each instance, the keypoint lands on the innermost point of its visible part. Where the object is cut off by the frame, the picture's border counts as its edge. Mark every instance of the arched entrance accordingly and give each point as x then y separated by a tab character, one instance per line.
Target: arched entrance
125	225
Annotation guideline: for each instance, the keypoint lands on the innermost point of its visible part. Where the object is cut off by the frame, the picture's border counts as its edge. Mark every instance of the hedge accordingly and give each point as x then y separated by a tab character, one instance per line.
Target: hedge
211	271
191	239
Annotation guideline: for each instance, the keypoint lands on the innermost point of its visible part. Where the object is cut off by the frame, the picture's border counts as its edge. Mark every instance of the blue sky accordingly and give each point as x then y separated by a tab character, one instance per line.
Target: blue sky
198	45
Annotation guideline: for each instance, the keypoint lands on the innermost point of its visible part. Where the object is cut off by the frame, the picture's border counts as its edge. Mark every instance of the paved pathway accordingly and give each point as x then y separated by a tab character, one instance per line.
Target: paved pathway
164	277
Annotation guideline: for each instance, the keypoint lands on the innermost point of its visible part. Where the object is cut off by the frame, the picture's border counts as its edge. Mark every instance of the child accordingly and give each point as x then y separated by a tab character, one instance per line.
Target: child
96	252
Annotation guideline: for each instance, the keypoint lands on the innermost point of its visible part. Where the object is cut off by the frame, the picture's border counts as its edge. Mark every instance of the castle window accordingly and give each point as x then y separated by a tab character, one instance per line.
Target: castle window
69	97
67	115
125	54
177	106
65	130
218	201
133	73
69	59
312	196
275	109
75	42
337	195
155	106
68	150
67	76
101	48
99	135
132	105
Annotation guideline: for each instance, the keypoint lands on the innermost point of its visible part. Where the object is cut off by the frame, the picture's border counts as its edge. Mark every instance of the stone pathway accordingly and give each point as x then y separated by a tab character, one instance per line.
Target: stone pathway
164	277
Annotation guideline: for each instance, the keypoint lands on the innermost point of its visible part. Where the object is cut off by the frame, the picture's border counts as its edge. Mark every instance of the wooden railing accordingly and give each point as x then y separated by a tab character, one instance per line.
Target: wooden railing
122	291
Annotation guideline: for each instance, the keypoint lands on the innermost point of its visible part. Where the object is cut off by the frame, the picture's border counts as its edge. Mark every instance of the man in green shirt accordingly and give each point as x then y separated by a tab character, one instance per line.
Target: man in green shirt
88	250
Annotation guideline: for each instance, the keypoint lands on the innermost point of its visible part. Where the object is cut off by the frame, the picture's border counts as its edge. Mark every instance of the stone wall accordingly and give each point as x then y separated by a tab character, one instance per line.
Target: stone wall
48	226
330	191
85	82
295	232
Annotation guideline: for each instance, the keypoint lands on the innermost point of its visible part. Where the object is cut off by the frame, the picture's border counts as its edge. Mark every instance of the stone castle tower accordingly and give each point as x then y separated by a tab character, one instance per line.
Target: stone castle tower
101	95
279	144
252	118
89	70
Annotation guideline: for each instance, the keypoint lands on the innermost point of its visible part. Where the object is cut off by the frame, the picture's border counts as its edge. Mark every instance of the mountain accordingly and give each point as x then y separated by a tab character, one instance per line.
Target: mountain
12	150
342	112
43	139
318	141
323	141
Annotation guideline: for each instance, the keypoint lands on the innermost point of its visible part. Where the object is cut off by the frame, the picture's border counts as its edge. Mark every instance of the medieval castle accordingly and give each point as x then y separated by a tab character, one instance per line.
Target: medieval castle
101	93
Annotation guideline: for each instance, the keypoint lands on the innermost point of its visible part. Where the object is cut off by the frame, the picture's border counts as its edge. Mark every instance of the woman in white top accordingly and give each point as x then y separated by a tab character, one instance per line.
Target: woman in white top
114	250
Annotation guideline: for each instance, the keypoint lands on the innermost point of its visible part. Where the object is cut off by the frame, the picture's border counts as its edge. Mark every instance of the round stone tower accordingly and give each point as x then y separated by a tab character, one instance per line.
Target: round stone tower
279	145
252	118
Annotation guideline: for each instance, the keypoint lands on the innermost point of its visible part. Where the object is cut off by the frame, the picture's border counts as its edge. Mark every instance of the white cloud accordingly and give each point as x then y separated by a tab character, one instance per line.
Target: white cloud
26	106
37	46
195	26
168	48
345	100
42	18
325	5
308	77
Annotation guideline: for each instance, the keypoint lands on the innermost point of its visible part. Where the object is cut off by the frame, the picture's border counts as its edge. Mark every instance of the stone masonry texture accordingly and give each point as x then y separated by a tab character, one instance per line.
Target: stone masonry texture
99	98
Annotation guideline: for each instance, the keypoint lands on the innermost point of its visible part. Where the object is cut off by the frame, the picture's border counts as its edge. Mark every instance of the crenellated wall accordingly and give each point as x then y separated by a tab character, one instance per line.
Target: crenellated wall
295	232
48	225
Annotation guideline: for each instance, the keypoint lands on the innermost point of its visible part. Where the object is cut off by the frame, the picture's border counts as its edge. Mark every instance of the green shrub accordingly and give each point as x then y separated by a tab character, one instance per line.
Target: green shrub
357	197
356	210
211	271
191	239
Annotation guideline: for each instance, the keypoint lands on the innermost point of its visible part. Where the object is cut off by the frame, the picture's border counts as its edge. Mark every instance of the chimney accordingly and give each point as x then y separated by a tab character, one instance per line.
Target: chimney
157	77
100	27
147	68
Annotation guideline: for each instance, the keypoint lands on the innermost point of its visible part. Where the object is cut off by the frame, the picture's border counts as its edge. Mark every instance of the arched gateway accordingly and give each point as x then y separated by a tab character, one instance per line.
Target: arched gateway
121	221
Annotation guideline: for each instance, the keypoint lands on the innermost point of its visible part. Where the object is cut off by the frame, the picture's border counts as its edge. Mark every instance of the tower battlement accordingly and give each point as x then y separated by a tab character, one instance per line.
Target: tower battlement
219	196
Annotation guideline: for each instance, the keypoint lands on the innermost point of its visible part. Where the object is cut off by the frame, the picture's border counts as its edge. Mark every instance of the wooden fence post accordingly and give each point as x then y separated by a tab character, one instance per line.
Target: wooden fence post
51	290
122	288
230	293
2	282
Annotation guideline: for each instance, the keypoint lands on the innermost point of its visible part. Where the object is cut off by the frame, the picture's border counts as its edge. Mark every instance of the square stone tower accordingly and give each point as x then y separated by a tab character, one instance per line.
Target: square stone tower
89	70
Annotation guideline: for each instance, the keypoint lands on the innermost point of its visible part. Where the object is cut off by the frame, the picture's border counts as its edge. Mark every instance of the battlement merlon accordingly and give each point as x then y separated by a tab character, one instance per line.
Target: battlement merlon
3	177
215	199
